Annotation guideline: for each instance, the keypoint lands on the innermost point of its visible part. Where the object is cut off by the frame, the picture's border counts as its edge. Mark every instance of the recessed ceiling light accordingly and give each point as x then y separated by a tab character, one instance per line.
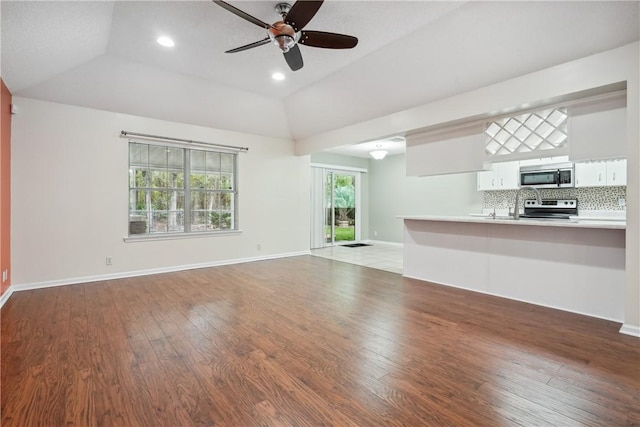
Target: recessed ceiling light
165	41
277	76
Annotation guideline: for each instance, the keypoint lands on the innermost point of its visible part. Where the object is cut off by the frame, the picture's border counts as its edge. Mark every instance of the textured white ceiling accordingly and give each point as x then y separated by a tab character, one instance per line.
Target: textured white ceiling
203	32
104	55
42	39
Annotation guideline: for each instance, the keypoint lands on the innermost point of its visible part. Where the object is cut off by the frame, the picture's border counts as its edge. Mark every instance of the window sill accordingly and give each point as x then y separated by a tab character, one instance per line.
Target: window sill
178	236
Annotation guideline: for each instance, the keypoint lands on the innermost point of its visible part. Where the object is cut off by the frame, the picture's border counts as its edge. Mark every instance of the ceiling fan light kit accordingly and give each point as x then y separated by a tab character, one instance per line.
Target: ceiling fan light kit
284	41
288	33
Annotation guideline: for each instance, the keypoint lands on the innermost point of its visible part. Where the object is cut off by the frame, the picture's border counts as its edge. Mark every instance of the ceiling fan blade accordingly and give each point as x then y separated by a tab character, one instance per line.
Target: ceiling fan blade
301	13
294	58
241	14
327	40
250	45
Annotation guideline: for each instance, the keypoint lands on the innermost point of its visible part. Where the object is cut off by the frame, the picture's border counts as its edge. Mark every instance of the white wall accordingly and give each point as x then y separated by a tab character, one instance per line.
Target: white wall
394	193
70	197
548	85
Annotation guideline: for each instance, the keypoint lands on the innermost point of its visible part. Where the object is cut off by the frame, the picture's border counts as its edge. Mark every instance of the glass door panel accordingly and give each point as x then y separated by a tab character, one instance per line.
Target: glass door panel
340	207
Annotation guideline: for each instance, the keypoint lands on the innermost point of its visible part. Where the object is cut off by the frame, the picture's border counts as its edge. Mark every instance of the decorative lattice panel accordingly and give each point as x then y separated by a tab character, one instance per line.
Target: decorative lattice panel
537	131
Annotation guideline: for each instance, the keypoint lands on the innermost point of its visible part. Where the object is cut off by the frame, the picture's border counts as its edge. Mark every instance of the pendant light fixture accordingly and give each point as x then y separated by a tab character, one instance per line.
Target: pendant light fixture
378	153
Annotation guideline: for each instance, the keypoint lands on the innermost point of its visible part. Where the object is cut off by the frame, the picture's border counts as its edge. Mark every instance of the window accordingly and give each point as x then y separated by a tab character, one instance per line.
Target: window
180	190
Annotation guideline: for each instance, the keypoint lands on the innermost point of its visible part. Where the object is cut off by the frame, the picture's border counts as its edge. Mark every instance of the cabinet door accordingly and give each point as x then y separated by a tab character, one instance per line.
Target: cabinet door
487	180
507	175
591	174
544	161
617	172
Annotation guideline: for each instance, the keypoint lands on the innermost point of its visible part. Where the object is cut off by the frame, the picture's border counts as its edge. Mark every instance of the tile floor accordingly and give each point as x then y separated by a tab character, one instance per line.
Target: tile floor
379	255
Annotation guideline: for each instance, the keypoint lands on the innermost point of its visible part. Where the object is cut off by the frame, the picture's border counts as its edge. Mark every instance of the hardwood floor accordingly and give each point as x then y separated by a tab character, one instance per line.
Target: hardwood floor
306	341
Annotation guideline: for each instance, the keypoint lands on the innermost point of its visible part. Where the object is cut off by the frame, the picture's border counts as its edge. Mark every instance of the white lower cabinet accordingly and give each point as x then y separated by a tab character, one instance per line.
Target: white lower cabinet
502	176
601	174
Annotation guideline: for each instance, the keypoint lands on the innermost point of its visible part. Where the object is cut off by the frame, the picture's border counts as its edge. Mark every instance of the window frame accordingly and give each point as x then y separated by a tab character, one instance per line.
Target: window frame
186	230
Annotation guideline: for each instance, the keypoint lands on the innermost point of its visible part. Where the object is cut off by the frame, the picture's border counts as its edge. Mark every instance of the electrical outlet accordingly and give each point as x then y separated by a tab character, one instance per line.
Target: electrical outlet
5	275
375	234
258	246
622	202
108	260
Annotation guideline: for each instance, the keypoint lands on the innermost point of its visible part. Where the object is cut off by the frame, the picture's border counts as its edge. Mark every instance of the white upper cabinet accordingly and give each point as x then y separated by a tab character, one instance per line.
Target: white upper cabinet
487	180
591	174
598	128
544	161
508	175
601	173
617	172
502	176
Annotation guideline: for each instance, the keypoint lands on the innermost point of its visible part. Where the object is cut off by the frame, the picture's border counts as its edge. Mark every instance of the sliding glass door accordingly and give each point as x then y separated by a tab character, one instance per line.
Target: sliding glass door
336	209
340	199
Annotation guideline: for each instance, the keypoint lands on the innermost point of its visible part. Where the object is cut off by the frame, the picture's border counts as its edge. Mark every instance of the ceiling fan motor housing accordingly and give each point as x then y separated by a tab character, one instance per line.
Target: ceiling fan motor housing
283	8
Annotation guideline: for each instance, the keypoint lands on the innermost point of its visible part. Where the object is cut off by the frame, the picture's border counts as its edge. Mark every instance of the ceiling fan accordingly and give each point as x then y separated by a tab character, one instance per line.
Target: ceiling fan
288	33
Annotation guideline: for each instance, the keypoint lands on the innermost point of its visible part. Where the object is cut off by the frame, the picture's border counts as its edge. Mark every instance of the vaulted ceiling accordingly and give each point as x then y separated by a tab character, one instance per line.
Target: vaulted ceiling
104	55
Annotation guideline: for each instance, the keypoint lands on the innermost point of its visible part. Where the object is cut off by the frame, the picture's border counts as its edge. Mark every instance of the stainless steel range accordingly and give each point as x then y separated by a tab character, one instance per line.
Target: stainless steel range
552	209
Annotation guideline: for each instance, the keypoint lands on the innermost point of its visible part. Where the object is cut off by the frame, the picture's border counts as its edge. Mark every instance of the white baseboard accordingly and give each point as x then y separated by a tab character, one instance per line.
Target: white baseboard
125	274
6	295
381	242
634	331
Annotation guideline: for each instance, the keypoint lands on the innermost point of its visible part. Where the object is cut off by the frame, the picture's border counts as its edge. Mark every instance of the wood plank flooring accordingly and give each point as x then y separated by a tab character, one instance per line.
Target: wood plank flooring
306	341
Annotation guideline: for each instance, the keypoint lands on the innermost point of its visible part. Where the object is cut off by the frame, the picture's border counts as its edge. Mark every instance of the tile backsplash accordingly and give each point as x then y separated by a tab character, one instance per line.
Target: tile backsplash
589	198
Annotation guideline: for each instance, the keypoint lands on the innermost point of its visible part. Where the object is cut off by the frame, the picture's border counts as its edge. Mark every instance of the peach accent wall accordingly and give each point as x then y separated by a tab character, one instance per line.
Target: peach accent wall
5	186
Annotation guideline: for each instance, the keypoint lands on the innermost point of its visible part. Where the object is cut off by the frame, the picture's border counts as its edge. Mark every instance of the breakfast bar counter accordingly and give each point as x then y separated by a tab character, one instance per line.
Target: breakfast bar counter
573	222
573	265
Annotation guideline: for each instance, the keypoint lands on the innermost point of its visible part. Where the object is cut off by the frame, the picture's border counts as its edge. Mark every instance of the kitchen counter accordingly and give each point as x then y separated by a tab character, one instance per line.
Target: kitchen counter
575	265
574	222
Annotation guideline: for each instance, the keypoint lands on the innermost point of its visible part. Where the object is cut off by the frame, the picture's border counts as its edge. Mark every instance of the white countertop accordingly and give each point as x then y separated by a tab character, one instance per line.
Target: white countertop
572	222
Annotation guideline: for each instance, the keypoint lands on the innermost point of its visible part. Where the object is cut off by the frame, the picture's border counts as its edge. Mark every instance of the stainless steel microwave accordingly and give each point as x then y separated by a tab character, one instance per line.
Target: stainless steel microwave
556	175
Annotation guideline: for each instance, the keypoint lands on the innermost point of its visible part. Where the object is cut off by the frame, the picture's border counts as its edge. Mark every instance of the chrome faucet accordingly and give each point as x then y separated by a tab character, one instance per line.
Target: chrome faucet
516	210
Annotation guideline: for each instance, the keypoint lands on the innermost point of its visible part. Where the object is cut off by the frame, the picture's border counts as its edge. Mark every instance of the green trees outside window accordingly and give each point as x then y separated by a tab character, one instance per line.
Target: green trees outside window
162	200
